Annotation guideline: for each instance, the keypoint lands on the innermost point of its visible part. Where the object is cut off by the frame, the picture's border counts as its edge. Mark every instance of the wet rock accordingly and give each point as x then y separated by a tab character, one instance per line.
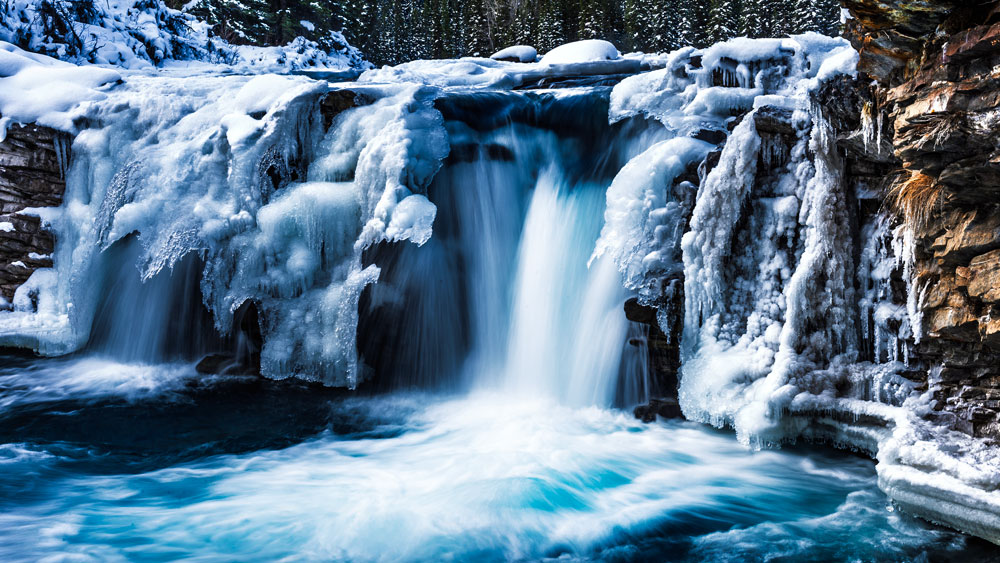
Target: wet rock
338	101
32	162
665	408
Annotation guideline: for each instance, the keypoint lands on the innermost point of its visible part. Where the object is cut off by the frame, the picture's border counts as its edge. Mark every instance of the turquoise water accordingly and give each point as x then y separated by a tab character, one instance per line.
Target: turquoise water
114	462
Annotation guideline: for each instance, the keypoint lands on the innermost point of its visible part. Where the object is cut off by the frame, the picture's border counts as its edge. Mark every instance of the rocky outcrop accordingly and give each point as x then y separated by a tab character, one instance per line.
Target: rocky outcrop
32	166
936	103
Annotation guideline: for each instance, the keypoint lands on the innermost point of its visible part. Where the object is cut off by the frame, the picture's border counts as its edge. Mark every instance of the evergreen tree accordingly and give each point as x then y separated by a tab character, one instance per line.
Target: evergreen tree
724	20
394	31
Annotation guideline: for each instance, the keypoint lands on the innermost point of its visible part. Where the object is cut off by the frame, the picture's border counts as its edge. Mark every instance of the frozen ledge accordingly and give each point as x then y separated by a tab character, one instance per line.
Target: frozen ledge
943	499
926	469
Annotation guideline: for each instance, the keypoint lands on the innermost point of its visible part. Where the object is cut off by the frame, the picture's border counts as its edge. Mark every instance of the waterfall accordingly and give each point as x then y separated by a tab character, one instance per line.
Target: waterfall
568	329
427	237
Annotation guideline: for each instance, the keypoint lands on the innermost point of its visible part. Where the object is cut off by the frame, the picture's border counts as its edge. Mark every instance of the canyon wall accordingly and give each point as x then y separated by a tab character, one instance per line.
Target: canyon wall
928	139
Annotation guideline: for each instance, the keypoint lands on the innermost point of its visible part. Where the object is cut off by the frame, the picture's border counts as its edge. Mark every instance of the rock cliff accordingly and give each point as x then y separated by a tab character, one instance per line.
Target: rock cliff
929	129
32	163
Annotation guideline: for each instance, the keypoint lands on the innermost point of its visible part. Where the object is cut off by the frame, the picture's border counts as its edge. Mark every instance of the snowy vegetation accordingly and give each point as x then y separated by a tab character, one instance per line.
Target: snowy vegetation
395	31
140	33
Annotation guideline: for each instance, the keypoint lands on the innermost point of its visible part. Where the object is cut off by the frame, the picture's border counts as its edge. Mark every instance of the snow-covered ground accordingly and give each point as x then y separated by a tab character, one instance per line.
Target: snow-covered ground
137	34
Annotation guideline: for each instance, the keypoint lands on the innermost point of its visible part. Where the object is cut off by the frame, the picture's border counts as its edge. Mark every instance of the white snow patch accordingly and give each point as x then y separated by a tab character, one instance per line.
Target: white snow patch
586	51
516	53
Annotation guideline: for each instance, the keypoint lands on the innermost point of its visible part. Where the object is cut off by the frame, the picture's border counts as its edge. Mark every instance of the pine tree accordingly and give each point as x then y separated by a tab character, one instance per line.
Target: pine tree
394	31
724	20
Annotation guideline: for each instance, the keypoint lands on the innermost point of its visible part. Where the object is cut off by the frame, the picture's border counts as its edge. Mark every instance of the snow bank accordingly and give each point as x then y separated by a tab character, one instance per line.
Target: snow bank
586	51
499	72
516	53
42	90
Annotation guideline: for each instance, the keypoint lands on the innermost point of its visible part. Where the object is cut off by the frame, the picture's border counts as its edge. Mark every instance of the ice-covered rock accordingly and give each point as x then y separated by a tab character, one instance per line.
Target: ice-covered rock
37	89
516	54
586	51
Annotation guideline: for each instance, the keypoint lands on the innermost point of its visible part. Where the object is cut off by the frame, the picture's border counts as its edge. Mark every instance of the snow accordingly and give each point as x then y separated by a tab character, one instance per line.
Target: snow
747	50
476	72
37	89
6	227
516	53
142	34
588	50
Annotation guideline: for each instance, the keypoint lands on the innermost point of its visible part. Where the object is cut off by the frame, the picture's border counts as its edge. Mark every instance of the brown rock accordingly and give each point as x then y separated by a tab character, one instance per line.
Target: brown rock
952	323
984	280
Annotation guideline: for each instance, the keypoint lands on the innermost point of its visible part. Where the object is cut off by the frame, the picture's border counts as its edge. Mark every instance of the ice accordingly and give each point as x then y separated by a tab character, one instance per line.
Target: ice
643	222
516	53
238	170
659	93
746	50
588	50
302	262
776	342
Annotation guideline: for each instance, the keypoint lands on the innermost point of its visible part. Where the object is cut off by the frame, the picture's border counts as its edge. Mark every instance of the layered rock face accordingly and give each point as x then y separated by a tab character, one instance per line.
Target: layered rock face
32	164
931	126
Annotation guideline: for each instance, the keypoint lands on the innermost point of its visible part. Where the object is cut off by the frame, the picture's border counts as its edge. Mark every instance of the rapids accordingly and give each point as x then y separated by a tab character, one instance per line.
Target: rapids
104	461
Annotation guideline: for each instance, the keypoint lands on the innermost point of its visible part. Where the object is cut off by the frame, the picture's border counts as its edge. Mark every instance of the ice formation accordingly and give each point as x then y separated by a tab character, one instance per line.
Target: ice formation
777	343
219	166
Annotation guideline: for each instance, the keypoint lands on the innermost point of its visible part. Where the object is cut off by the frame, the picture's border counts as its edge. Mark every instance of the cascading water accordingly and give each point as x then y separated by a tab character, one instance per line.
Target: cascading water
435	239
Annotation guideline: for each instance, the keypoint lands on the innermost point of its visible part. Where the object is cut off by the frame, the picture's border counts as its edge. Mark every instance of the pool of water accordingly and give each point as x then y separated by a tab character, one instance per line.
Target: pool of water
106	461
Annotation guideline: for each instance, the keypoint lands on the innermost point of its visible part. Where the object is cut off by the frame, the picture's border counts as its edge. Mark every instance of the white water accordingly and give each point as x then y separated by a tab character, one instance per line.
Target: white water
424	478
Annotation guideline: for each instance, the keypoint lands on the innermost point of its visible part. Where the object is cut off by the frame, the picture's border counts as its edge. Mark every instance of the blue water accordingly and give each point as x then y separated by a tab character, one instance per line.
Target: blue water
102	461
